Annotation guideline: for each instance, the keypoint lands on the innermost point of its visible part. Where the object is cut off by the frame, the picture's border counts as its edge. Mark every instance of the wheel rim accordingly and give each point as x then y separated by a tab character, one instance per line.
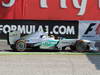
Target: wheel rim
20	46
81	46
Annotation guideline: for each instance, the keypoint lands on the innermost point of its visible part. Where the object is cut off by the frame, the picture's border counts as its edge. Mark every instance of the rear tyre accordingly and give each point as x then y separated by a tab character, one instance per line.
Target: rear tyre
20	45
13	47
63	48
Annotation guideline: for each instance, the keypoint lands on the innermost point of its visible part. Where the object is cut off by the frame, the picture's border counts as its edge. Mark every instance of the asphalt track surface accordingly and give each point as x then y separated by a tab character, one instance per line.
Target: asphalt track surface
45	64
49	65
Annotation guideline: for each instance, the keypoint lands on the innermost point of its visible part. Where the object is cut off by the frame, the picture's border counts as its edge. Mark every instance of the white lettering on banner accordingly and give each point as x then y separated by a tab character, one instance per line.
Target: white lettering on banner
40	28
6	28
28	29
55	29
82	6
25	29
21	29
43	4
13	28
11	3
33	28
64	30
47	28
63	4
70	30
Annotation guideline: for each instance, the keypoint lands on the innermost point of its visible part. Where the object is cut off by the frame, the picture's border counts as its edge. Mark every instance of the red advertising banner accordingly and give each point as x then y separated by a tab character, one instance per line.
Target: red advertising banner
50	9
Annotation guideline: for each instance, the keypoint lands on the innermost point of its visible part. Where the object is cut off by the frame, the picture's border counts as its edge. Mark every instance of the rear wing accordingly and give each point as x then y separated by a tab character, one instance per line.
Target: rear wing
13	36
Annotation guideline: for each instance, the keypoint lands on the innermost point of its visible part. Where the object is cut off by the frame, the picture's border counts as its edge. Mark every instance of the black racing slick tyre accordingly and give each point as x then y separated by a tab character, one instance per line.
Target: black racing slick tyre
13	47
72	47
81	46
20	46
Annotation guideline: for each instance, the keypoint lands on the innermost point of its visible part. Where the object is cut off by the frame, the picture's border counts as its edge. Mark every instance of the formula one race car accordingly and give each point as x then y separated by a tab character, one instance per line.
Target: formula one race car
41	40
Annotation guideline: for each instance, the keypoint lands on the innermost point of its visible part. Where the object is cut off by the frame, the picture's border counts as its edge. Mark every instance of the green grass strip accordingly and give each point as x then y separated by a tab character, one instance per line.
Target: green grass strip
48	53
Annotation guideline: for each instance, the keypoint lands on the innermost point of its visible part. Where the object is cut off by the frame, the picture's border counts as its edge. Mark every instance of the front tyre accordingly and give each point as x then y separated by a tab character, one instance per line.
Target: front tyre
72	47
20	45
81	46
